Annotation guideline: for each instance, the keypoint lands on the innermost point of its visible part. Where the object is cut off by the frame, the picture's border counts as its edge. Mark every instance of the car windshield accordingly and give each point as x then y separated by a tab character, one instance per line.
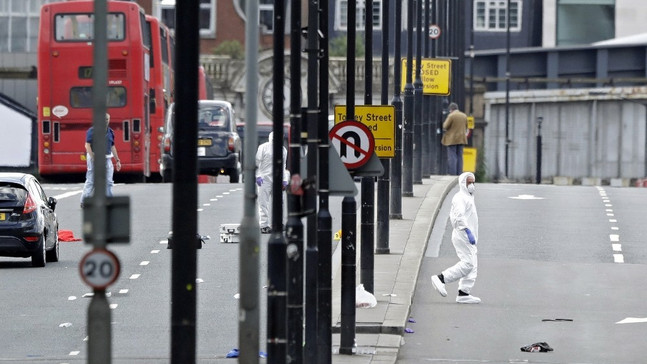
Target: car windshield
12	193
213	118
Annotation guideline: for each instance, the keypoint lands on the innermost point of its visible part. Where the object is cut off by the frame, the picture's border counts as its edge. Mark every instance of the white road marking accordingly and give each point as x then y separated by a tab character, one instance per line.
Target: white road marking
225	193
200	210
164	241
611	215
526	197
613	220
608	205
206	204
74	353
616	247
134	276
145	262
609	210
618	258
213	199
123	291
615	228
113	306
67	194
155	251
633	320
71	298
614	237
65	324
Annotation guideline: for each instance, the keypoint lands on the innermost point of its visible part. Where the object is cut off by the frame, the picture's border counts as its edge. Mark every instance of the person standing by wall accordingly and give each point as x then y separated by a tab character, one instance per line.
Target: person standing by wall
454	138
465	222
111	152
264	156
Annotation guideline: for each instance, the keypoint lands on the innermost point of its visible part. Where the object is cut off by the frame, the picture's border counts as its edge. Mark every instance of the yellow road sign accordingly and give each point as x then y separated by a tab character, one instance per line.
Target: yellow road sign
380	120
436	75
470	122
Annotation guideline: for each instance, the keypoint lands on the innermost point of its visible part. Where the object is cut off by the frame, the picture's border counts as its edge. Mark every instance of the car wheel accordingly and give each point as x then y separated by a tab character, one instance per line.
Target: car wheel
167	175
53	254
234	174
38	259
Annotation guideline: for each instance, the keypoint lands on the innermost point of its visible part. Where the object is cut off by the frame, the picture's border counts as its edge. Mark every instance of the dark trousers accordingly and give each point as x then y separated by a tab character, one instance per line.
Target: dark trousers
455	159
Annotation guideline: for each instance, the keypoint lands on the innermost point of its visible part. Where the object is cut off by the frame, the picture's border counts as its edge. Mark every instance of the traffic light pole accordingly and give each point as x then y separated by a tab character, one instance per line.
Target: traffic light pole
383	181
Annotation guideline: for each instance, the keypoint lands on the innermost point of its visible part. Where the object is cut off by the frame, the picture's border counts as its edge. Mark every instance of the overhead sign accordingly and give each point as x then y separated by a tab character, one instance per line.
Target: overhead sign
434	31
99	268
380	120
436	75
354	143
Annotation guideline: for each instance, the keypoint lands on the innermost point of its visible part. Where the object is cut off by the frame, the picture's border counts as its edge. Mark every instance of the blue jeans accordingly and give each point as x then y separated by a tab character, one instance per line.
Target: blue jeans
88	187
455	159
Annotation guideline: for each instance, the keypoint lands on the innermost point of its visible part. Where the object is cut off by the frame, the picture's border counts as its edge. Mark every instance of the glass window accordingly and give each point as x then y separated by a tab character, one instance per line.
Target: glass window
206	18
80	27
81	97
213	119
341	16
266	16
492	15
574	25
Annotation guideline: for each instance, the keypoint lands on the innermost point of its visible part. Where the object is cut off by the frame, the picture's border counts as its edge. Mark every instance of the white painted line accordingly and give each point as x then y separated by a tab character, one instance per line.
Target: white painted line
225	193
113	306
615	228
608	210
616	247
155	251
67	194
145	262
206	204
219	196
164	241
611	215
213	199
613	220
199	280
71	298
200	210
134	276
614	237
618	258
74	353
633	320
88	295
608	205
123	291
86	338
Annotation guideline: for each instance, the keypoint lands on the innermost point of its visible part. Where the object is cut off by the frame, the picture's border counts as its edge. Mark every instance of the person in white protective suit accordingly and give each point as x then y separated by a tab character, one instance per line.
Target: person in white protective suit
264	181
465	222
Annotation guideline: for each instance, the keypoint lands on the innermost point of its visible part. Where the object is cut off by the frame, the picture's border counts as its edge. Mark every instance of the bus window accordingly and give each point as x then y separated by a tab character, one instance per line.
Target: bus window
80	27
81	97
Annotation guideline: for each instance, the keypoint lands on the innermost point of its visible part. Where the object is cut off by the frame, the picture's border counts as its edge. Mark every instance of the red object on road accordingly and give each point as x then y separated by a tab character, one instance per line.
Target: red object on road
67	235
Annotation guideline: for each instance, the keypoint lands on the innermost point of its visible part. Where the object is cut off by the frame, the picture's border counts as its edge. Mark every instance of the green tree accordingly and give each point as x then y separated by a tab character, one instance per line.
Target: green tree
338	46
231	48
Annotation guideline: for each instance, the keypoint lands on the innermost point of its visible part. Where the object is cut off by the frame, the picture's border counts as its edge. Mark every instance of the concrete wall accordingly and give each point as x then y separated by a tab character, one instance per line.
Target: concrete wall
598	133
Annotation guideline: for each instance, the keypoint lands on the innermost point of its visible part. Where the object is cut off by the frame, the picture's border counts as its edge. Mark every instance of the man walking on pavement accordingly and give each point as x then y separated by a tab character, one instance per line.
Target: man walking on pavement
111	152
465	234
264	158
454	138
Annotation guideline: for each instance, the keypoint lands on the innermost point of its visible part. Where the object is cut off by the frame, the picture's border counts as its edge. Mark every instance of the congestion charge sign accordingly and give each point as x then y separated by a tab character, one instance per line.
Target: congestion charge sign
380	120
435	73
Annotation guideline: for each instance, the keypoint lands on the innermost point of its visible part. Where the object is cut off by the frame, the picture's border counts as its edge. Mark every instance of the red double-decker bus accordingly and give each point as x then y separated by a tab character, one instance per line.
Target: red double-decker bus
65	68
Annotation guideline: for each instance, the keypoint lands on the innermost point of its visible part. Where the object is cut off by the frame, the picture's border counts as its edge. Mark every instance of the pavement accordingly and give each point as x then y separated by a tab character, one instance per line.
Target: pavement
379	330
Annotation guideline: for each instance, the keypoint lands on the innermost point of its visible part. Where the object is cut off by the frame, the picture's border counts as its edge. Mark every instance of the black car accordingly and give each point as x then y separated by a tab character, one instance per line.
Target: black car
219	146
28	223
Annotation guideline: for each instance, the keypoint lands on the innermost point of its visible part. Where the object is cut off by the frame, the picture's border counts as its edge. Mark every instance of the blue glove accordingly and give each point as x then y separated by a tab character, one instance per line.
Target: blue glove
470	237
259	181
285	184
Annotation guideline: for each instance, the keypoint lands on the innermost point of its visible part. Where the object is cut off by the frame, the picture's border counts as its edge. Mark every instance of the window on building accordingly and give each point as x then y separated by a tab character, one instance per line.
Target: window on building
19	24
206	18
341	15
575	25
266	16
492	15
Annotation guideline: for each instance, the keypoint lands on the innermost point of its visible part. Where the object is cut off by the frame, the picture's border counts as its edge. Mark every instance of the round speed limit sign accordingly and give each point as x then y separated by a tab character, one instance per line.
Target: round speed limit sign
99	268
434	31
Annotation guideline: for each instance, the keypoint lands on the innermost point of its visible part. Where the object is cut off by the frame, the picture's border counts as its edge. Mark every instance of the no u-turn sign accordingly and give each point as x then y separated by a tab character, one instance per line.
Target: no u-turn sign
354	143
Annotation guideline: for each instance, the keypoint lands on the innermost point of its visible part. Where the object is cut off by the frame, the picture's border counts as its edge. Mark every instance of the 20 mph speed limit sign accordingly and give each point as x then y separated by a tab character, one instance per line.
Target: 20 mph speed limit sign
99	268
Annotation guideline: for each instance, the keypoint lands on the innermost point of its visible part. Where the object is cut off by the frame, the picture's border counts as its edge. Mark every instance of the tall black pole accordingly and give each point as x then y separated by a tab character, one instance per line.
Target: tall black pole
184	263
426	104
471	63
417	85
396	171
294	226
348	210
436	130
383	181
539	146
312	118
324	220
507	91
276	251
407	173
368	183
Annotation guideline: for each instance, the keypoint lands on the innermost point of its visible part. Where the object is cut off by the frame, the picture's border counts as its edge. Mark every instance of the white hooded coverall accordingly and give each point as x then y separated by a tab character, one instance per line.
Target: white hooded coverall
264	170
463	215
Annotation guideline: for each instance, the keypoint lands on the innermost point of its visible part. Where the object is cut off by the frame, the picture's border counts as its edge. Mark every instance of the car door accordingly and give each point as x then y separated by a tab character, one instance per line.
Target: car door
47	212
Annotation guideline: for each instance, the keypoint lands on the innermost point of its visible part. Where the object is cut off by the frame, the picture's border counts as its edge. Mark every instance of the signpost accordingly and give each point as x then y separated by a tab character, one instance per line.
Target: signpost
354	142
380	120
436	75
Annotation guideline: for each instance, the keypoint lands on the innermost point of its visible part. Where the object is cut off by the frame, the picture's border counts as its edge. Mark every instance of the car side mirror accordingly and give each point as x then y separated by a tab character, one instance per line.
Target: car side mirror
52	203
